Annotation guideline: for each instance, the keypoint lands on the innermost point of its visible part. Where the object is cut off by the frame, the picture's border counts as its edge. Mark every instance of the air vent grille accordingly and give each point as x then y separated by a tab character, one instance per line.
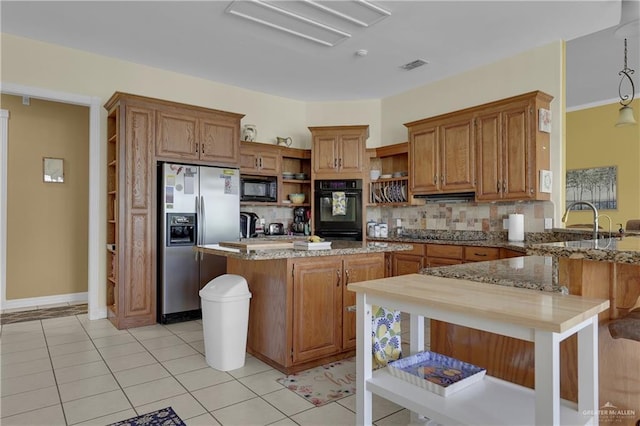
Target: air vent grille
414	64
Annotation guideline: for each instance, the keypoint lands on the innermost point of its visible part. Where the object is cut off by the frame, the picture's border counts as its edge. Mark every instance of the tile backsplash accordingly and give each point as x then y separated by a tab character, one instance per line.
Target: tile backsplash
466	216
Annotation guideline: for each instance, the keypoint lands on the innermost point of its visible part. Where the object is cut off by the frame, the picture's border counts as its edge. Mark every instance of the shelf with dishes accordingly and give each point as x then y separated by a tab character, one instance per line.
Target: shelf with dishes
389	191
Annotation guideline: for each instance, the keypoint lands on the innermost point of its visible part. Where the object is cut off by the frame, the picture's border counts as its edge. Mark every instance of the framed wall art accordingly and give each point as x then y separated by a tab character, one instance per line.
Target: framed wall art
53	170
597	185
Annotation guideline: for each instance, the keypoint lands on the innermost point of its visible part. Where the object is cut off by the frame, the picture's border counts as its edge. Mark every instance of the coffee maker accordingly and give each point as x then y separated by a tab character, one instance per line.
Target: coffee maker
301	216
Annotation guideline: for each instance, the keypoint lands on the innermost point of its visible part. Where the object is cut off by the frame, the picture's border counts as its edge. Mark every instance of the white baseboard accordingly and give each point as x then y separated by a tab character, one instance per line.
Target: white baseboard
46	300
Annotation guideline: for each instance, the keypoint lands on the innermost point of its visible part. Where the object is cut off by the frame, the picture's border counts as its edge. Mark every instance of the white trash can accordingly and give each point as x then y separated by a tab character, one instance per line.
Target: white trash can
225	319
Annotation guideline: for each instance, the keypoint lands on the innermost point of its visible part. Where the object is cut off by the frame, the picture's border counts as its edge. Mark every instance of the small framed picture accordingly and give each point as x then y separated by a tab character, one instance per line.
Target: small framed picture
544	120
53	170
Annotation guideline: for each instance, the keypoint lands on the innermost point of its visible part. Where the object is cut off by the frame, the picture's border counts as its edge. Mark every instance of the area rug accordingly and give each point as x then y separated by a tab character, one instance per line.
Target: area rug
324	384
163	417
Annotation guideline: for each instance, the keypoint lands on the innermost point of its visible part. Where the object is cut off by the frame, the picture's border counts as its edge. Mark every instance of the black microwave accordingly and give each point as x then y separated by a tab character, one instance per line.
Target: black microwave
259	188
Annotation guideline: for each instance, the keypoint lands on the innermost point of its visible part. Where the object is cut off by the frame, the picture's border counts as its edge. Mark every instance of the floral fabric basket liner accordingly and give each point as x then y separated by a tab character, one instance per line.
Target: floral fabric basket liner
436	372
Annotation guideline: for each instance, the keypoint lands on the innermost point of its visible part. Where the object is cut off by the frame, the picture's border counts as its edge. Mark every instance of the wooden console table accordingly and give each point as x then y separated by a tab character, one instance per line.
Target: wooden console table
539	317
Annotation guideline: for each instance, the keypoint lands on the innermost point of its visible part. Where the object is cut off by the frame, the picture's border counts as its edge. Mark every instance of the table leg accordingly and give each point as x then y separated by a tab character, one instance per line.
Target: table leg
364	351
588	369
416	333
547	378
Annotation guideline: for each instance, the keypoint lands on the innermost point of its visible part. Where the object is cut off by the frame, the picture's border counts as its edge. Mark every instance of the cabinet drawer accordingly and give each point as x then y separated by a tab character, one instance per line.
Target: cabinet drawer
444	250
433	262
478	254
418	249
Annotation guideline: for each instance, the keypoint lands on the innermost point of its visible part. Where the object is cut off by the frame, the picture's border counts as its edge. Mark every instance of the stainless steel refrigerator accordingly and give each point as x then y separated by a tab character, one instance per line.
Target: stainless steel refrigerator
197	205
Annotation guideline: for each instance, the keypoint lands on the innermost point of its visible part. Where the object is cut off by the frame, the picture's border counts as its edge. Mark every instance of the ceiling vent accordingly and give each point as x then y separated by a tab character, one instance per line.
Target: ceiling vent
414	64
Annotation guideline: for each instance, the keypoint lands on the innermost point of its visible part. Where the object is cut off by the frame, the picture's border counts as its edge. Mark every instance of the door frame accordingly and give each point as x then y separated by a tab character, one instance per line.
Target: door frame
95	200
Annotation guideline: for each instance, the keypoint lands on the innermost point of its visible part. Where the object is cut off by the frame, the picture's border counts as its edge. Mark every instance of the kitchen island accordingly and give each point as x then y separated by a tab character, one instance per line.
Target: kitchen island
539	318
606	269
298	315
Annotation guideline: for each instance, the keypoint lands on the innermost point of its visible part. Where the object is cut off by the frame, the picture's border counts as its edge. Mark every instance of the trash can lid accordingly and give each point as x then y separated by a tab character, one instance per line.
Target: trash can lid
226	287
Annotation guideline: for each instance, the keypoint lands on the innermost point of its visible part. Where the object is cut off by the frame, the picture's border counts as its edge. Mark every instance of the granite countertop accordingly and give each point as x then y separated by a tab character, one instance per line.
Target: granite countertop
338	248
530	272
625	250
488	242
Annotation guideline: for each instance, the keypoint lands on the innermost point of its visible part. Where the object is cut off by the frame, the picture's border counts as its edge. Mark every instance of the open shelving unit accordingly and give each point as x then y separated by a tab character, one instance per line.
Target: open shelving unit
296	161
393	191
112	214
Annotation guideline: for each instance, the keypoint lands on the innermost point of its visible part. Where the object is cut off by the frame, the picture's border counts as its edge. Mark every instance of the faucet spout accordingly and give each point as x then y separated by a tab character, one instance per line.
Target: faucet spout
595	215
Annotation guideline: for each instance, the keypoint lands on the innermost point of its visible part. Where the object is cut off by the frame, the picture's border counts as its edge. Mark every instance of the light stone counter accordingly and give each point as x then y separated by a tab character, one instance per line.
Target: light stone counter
338	248
530	272
625	250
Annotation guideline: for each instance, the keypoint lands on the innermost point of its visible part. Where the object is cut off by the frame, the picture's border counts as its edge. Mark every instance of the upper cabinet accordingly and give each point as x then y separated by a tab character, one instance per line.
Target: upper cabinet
511	150
441	152
339	151
198	135
259	159
494	150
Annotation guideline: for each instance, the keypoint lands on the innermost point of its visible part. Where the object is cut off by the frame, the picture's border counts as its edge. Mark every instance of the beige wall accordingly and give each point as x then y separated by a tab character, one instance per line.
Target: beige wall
47	223
594	141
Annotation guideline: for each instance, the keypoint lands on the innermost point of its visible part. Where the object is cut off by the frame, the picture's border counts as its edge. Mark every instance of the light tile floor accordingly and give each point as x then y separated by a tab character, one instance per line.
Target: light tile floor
72	371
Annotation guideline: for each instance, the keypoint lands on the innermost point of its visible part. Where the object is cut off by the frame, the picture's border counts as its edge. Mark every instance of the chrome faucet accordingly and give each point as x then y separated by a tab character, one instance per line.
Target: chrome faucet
595	215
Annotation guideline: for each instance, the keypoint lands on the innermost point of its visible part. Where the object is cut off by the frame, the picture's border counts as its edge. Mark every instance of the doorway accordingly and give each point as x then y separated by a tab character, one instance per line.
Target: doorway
96	305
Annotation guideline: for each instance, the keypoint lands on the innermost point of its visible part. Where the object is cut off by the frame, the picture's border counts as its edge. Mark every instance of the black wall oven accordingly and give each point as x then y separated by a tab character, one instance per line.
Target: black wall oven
338	209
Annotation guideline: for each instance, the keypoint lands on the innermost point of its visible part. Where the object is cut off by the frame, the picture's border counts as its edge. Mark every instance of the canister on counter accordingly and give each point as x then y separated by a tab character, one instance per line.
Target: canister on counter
384	230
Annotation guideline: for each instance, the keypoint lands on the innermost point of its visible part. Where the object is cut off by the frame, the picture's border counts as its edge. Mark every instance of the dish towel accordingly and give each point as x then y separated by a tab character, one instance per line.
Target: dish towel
339	205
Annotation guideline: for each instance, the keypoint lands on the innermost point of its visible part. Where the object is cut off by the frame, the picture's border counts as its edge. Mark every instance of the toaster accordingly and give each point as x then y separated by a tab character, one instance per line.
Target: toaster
275	229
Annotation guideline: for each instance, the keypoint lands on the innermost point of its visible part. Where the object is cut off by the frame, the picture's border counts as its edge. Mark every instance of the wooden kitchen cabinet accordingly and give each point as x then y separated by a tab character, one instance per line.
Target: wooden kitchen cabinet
409	261
317	308
140	132
338	151
443	255
441	152
297	314
197	135
510	150
131	215
259	159
481	254
356	269
322	325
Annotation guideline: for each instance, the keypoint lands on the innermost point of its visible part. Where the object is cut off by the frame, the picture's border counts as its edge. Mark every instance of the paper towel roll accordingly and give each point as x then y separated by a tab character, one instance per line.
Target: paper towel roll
516	227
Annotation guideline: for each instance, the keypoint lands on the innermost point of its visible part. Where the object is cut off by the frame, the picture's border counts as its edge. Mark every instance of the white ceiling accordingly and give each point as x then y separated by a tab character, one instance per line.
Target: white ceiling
200	39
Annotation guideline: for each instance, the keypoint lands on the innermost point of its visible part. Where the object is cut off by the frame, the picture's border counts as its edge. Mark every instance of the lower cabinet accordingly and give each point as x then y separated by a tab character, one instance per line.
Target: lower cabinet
322	325
298	315
409	262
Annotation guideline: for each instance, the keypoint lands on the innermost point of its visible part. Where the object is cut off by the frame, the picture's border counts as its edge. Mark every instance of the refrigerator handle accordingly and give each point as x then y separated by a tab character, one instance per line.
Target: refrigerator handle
203	235
197	227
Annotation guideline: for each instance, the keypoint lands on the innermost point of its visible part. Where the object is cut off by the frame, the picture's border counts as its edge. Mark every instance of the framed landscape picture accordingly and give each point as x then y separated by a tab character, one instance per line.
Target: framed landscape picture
598	185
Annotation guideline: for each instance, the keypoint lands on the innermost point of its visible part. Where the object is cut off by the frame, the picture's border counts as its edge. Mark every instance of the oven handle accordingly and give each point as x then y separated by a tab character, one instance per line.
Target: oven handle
346	193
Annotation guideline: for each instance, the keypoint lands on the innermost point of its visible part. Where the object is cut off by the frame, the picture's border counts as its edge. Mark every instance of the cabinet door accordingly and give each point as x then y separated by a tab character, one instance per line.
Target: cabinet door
516	154
137	290
423	168
176	135
404	264
325	153
317	308
457	160
351	153
219	141
356	269
489	156
249	160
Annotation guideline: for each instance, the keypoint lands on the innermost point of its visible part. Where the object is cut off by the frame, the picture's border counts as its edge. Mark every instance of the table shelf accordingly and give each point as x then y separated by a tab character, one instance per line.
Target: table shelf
491	401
